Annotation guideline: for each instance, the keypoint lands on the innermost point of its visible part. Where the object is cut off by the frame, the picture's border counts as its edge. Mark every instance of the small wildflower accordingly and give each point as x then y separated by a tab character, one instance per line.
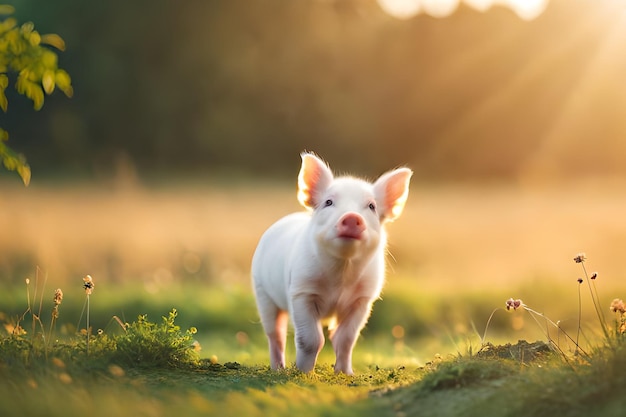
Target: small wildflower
88	284
58	297
580	258
27	281
513	304
618	306
580	280
594	275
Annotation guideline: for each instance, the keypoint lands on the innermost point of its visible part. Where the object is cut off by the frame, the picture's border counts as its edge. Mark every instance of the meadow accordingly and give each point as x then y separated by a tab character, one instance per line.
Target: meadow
456	255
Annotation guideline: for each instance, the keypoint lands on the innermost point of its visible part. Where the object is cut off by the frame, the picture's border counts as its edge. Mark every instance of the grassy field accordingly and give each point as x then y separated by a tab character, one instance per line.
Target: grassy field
458	252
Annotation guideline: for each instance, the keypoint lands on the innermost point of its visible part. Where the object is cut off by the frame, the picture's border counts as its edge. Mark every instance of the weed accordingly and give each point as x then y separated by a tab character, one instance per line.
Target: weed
146	343
141	343
617	306
88	285
512	304
35	315
57	300
591	282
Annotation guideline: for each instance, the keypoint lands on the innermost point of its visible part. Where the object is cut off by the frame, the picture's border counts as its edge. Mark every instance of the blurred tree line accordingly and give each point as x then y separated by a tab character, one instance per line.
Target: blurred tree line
218	87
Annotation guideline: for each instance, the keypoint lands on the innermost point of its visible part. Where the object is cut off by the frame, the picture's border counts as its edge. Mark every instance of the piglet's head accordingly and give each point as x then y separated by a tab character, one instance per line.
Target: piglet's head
348	213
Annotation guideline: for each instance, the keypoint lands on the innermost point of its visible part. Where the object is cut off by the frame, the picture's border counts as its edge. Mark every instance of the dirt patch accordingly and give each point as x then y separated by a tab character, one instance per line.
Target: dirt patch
522	351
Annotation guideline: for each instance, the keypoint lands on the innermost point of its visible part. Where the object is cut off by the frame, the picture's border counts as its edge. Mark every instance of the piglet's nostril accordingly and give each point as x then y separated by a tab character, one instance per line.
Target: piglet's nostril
351	226
352	220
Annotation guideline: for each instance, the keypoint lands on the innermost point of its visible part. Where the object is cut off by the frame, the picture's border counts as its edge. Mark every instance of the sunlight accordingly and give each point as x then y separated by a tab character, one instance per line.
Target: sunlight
527	9
400	9
575	123
440	8
406	9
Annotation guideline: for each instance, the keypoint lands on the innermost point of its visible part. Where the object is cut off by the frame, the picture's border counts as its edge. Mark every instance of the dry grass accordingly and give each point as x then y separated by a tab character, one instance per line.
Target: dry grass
452	242
467	236
127	234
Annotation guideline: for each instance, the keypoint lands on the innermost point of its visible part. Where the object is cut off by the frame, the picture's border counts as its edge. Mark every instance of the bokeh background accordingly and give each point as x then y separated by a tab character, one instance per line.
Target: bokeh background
216	87
180	146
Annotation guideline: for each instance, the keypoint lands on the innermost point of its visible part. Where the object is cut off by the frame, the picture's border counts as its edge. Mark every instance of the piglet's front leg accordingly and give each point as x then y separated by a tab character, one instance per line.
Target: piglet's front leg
309	334
350	322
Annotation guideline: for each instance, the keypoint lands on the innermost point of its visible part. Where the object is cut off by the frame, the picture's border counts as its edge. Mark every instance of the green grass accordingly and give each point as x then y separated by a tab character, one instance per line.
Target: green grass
476	387
151	368
211	389
460	386
147	366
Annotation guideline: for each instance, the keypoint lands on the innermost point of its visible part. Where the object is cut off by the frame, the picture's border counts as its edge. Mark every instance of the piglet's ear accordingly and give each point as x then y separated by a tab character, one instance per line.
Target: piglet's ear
391	191
314	178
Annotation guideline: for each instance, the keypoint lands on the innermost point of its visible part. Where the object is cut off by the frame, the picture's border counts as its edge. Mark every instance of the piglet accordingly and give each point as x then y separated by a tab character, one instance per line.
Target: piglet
326	266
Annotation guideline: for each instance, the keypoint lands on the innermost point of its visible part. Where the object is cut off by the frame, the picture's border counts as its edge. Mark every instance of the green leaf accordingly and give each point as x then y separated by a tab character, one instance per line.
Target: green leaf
64	82
7	25
6	9
53	39
4	82
21	52
35	93
49	59
47	80
23	170
34	38
13	161
31	90
27	29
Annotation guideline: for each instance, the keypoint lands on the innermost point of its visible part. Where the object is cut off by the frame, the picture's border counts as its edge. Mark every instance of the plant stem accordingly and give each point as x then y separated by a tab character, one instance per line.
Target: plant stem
482	341
548	321
87	324
596	304
579	317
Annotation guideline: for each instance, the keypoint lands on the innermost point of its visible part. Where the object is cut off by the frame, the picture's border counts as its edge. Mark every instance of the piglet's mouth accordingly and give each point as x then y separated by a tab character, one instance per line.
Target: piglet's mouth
350	236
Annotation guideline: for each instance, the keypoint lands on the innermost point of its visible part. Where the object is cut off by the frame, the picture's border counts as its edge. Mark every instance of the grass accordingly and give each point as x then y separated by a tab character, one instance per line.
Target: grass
458	254
480	385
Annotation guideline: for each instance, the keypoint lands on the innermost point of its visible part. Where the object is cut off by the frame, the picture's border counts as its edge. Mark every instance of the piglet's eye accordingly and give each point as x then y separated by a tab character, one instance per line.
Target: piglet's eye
372	206
328	202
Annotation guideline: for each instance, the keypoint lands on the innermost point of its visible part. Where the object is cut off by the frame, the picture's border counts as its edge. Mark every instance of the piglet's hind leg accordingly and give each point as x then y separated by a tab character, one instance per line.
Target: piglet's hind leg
274	322
277	340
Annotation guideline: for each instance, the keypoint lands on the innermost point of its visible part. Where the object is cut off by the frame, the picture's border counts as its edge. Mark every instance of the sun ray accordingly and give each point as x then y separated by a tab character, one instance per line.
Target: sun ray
573	136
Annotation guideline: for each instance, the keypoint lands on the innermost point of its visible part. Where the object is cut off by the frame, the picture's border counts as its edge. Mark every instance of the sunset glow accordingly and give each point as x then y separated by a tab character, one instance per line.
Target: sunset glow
405	9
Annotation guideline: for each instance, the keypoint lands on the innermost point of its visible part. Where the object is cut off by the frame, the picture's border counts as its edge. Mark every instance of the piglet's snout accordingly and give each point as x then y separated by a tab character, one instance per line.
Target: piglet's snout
351	226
